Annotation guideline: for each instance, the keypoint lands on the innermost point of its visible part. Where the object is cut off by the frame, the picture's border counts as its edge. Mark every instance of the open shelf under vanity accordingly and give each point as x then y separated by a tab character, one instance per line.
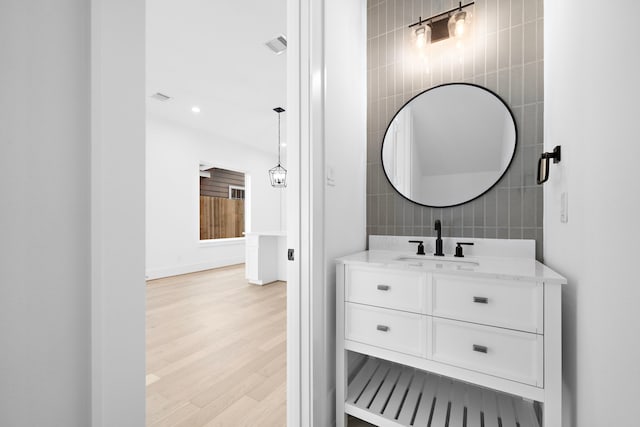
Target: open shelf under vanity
387	394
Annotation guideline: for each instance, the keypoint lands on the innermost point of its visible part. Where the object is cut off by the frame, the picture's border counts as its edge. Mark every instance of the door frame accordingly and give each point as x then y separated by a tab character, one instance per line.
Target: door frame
305	198
118	120
117	211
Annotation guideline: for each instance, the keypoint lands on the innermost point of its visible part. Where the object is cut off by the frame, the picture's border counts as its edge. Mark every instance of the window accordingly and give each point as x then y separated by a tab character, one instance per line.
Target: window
236	192
222	197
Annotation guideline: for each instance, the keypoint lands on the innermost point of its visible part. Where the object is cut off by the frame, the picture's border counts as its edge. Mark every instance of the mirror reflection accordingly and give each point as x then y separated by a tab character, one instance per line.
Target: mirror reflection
449	145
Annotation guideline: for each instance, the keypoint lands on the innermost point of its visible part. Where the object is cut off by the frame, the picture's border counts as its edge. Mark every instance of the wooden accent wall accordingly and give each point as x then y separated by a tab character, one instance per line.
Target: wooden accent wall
221	218
218	184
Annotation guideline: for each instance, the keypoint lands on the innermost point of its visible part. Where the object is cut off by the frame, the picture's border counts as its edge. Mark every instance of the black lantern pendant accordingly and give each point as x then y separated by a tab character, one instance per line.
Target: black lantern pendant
278	175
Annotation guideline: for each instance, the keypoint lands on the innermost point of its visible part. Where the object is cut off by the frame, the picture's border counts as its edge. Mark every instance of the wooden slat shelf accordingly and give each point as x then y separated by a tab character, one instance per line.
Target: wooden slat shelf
391	395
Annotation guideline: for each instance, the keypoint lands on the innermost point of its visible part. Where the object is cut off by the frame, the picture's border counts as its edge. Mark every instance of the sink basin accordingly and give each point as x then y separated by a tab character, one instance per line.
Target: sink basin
437	261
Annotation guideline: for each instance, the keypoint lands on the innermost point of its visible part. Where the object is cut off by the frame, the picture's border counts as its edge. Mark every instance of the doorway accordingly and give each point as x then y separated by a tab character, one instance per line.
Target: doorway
215	334
117	202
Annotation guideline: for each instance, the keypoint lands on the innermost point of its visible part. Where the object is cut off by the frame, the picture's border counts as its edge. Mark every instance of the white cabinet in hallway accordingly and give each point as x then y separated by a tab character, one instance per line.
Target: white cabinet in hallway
266	257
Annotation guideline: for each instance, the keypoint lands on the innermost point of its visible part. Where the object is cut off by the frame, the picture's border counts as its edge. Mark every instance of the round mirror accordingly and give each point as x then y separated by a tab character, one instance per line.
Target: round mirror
449	145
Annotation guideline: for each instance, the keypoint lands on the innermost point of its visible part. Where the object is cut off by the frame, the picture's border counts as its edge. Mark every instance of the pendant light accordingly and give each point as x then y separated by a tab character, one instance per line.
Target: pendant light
278	175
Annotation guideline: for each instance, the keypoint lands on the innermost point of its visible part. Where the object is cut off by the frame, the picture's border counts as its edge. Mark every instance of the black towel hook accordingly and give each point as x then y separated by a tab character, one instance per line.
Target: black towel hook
543	164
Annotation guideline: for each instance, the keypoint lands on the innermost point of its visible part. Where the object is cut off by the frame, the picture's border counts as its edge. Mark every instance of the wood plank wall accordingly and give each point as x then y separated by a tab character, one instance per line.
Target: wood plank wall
218	184
221	218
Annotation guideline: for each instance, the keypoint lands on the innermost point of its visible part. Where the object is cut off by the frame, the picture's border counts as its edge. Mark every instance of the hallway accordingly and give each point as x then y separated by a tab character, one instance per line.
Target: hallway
216	351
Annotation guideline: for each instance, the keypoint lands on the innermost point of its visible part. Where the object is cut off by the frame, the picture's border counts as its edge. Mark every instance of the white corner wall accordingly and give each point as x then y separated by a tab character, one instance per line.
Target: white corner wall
173	217
591	95
345	153
45	299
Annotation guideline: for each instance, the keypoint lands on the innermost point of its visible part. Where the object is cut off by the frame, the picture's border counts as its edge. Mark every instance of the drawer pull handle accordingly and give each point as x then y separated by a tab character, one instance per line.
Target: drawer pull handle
383	328
481	300
480	348
383	287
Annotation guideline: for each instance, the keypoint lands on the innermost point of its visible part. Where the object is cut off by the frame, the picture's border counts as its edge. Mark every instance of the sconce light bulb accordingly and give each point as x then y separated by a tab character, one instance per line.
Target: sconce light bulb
420	37
459	32
423	36
458	23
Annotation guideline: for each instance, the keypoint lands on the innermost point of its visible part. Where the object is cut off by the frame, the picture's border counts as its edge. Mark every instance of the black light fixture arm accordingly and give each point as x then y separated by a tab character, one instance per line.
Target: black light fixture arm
440	15
279	110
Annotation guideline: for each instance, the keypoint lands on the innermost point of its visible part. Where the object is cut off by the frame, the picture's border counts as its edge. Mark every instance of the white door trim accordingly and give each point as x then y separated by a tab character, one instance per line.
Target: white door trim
305	101
117	138
117	70
294	282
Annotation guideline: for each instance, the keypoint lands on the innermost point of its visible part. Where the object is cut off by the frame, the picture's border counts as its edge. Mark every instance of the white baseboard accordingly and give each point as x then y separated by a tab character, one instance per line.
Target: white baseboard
159	273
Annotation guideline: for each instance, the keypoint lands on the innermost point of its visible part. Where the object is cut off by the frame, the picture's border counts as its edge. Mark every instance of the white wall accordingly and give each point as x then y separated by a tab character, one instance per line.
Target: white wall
117	213
44	218
173	216
345	154
591	109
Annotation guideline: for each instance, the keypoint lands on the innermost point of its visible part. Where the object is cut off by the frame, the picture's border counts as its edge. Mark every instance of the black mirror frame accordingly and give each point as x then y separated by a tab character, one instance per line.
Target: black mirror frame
513	155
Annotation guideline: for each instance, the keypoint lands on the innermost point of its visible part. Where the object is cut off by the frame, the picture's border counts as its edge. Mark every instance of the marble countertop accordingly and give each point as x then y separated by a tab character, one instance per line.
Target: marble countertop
513	268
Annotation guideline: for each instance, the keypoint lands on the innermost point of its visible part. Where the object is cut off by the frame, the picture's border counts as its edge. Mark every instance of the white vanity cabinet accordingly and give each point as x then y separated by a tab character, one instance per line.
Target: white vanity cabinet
433	342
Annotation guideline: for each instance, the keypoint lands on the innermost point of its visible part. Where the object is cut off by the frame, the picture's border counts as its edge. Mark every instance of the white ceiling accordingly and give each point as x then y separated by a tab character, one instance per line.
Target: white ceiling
211	54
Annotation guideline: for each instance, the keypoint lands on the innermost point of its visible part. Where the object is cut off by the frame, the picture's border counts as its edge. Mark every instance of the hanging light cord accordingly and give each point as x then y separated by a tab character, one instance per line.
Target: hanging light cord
278	139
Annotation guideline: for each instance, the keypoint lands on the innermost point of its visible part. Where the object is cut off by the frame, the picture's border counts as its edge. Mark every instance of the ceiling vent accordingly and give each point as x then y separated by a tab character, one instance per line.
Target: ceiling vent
277	45
160	97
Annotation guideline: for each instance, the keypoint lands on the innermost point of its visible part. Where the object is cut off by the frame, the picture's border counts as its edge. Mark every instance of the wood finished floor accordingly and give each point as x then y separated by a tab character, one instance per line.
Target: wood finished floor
216	351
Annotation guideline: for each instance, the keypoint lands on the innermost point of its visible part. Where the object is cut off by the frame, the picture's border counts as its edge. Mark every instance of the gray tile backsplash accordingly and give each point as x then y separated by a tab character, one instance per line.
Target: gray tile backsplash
505	54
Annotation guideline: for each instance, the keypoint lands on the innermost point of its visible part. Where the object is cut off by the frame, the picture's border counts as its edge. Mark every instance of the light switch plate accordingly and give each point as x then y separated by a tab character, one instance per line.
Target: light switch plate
564	207
331	182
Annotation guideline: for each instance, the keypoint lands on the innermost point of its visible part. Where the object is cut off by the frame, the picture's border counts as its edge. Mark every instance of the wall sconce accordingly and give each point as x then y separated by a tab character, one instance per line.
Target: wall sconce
458	21
451	23
423	36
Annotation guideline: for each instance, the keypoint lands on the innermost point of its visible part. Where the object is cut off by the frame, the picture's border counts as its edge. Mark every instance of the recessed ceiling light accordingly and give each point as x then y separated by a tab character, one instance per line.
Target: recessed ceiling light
195	109
277	45
284	144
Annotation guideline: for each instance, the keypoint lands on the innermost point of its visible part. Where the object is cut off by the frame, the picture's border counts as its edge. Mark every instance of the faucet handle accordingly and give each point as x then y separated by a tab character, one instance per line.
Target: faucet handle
459	253
420	246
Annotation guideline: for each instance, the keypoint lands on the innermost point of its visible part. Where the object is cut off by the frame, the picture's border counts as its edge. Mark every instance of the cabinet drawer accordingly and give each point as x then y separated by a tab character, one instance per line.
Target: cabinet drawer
401	290
504	353
390	329
505	303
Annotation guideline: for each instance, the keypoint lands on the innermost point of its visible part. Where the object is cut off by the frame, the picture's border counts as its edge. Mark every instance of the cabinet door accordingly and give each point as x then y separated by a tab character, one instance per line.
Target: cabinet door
252	265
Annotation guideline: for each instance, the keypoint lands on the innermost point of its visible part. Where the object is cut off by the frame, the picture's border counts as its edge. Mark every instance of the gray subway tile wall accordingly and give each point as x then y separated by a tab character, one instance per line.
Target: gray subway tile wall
504	54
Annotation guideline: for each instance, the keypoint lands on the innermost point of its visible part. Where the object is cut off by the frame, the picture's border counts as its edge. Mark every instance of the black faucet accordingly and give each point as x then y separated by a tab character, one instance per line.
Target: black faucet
438	228
420	246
